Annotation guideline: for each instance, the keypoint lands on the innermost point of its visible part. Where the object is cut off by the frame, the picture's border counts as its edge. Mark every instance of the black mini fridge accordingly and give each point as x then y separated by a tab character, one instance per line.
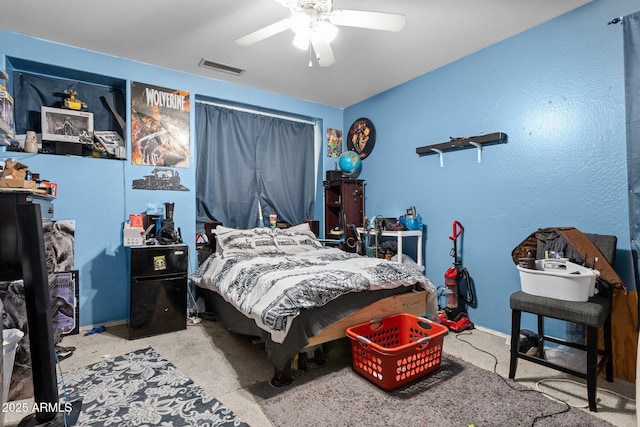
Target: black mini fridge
158	289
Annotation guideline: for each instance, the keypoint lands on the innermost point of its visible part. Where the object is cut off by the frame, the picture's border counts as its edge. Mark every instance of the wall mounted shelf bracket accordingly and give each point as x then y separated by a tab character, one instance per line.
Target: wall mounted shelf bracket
462	143
440	152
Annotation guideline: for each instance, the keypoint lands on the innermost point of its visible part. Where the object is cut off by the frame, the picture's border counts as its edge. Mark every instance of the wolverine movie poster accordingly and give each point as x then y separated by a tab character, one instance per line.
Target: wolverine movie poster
159	126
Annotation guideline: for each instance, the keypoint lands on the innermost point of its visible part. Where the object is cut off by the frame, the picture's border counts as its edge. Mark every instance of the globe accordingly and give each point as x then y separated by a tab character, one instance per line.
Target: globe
349	162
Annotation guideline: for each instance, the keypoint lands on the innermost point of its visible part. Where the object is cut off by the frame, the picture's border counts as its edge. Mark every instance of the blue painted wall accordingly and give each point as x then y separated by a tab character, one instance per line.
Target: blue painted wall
97	193
557	91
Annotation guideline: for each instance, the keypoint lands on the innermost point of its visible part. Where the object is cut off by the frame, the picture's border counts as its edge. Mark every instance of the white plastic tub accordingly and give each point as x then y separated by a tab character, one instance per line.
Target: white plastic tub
10	339
558	279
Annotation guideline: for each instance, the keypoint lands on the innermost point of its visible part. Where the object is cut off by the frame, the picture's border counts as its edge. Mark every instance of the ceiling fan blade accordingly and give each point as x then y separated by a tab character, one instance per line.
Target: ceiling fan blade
371	20
323	51
265	33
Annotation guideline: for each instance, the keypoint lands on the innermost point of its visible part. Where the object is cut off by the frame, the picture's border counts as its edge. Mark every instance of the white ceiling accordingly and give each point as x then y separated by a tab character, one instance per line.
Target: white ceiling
178	34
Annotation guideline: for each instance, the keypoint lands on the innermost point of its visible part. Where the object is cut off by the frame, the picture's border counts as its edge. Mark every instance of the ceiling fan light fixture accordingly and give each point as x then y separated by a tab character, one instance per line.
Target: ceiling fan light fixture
326	30
321	6
301	40
306	24
301	23
315	24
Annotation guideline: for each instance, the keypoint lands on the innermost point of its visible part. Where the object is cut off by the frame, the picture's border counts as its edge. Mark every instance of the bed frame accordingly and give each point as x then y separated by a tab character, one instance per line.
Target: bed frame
414	301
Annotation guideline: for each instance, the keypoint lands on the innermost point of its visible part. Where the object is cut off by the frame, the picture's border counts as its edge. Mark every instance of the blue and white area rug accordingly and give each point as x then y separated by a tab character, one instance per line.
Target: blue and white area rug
142	389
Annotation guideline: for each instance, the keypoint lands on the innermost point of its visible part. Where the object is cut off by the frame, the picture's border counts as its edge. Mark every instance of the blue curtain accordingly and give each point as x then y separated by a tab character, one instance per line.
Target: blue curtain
245	159
631	36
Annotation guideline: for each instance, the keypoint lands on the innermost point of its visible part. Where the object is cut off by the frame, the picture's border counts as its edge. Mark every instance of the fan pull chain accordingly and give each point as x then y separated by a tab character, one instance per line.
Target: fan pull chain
310	57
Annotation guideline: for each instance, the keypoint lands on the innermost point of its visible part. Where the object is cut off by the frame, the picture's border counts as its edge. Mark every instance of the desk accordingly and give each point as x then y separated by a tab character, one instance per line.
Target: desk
399	236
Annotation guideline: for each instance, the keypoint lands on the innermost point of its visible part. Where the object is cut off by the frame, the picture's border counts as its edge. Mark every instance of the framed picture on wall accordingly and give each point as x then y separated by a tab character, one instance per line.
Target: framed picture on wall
59	124
159	126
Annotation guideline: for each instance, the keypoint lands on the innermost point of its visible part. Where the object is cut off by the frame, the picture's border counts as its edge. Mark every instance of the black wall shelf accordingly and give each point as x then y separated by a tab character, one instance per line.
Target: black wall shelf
463	143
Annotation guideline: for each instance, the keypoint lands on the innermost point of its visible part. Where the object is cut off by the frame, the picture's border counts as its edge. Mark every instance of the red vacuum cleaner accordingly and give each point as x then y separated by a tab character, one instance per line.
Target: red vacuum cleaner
453	316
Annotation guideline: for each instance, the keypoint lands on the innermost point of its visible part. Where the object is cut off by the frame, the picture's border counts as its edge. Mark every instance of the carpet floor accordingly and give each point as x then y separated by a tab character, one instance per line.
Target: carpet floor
142	389
456	394
236	372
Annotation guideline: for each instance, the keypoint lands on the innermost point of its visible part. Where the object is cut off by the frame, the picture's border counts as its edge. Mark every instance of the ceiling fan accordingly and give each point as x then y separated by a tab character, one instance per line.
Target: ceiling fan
315	22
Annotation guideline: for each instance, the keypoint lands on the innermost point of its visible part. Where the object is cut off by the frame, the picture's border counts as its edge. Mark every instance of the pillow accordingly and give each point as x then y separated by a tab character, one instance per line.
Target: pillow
300	227
254	241
296	239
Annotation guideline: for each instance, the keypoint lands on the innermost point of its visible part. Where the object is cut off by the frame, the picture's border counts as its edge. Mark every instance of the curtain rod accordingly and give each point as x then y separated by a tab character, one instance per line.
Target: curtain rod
615	21
256	111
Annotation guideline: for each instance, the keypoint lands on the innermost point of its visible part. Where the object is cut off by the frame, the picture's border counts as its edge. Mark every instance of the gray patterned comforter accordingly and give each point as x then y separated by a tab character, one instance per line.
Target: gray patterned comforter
273	289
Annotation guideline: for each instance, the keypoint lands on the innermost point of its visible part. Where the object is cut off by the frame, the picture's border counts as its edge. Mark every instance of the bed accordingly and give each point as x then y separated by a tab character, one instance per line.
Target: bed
285	287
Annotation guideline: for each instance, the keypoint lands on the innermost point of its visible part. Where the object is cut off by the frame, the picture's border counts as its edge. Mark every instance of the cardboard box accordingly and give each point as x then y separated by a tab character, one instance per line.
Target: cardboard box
15	170
133	236
17	183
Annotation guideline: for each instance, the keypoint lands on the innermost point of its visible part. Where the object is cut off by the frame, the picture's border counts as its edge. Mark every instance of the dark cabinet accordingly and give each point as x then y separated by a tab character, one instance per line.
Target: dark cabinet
158	290
343	205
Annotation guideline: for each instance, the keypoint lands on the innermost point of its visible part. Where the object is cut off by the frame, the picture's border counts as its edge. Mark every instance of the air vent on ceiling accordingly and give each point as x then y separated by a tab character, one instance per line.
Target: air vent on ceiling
217	66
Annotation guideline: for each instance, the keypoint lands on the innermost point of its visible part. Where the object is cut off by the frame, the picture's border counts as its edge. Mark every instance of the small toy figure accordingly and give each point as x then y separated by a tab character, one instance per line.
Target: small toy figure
72	102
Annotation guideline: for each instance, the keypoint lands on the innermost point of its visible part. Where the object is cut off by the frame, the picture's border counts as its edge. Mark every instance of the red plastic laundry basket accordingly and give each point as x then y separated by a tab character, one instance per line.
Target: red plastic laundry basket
396	350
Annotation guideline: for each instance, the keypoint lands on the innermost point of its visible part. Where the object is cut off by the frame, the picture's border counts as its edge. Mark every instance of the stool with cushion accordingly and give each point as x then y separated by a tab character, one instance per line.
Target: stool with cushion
592	314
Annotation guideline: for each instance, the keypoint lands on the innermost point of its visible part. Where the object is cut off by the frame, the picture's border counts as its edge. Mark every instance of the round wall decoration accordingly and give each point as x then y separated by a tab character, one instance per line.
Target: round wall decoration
362	137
